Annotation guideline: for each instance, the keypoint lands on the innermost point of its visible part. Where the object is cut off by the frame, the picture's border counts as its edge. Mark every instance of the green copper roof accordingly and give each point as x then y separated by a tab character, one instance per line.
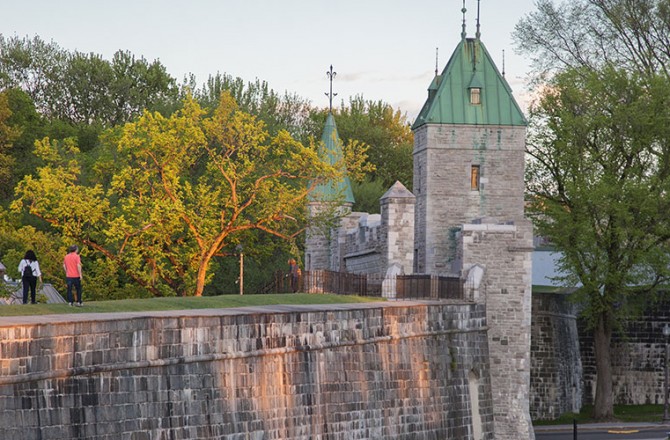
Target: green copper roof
333	154
448	101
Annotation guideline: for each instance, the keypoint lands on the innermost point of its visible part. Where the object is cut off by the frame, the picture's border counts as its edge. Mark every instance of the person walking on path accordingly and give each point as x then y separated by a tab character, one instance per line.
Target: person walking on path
73	274
29	268
294	273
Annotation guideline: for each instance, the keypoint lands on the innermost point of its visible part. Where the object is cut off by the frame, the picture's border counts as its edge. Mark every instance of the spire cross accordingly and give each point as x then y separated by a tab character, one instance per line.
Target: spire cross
331	75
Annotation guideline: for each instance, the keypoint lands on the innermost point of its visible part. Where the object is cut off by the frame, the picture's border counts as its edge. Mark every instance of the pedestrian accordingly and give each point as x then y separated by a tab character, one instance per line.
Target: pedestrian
29	268
73	275
294	273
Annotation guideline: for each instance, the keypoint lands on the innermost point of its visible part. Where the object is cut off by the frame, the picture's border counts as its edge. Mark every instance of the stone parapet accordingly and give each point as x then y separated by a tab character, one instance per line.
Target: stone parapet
386	372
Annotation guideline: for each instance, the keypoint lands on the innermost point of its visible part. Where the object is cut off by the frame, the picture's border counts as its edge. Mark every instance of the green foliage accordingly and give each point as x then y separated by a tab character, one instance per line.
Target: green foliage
367	194
278	112
385	131
84	89
599	177
8	134
16	239
182	191
599	182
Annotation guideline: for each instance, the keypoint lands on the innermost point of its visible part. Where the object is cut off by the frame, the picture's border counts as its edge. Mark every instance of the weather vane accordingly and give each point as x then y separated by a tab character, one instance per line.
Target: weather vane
331	76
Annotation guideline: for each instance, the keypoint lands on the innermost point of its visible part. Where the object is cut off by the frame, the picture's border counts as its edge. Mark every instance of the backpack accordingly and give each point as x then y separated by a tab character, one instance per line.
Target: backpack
28	271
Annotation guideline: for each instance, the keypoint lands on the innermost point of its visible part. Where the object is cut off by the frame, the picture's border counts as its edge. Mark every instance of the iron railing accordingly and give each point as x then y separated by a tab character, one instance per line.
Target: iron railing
418	286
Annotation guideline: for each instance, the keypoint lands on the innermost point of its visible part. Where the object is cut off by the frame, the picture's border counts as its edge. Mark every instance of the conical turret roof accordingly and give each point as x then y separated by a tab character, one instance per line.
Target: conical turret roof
334	156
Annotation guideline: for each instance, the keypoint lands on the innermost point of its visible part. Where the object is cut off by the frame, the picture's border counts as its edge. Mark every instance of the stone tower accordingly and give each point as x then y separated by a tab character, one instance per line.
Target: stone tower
469	141
323	245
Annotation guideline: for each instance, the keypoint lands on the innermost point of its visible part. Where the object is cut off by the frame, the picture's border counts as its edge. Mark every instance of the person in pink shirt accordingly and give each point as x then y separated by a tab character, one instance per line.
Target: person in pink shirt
72	267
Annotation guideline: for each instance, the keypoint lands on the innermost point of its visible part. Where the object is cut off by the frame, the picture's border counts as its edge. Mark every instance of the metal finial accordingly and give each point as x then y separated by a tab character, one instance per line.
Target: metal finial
463	10
331	75
478	34
503	64
436	60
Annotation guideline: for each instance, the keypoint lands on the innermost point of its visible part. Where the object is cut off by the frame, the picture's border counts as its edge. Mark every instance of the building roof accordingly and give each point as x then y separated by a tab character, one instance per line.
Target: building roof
470	66
333	154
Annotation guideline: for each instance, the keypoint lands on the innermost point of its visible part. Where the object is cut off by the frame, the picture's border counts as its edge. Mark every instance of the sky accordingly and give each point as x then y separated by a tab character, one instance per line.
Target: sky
380	49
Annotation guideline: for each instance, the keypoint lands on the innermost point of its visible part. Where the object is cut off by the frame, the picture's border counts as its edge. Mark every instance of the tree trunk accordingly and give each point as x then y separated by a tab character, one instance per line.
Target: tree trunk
602	338
200	279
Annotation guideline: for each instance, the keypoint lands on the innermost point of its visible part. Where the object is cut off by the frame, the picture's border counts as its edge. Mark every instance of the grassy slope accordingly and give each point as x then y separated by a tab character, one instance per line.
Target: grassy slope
205	302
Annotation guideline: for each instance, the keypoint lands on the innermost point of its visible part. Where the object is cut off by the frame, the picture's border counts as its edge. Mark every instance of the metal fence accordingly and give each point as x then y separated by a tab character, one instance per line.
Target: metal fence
419	286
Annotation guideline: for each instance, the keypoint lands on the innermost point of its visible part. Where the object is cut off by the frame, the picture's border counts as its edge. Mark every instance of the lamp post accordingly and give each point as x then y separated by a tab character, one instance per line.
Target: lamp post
240	250
666	333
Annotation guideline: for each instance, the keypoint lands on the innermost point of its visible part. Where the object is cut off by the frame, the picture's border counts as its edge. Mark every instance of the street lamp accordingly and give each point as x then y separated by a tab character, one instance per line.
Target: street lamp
666	333
240	250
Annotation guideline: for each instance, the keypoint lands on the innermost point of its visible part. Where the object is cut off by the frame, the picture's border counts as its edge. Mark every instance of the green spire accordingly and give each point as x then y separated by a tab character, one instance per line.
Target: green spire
470	90
333	155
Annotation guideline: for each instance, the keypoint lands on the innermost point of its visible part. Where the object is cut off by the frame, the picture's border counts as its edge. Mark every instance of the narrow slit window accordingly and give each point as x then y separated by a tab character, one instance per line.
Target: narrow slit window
475	96
474	178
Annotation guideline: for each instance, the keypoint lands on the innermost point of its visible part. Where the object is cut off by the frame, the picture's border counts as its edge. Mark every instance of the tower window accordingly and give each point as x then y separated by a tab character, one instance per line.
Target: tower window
474	178
475	96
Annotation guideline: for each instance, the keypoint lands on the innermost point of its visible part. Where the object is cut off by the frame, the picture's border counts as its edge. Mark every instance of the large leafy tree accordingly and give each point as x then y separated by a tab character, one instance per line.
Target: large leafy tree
84	89
634	34
584	38
599	181
178	191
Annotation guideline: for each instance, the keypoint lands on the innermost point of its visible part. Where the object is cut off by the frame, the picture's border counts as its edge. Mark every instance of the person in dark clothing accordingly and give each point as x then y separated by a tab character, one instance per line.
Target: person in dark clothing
29	268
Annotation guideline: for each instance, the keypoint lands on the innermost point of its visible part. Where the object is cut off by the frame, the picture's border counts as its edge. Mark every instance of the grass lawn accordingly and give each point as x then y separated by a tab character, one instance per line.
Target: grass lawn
622	413
184	303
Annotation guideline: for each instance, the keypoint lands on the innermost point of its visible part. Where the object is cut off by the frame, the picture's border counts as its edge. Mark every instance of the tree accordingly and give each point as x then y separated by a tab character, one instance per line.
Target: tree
278	112
35	67
599	181
84	89
182	190
591	35
633	34
8	134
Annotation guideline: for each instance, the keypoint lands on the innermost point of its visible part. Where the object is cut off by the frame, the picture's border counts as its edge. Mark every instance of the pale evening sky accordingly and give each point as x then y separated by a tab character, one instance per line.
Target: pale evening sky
381	49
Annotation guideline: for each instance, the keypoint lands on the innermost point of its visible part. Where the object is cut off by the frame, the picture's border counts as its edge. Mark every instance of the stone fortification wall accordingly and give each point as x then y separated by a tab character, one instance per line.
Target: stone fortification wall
638	359
504	253
364	245
372	243
556	368
418	371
